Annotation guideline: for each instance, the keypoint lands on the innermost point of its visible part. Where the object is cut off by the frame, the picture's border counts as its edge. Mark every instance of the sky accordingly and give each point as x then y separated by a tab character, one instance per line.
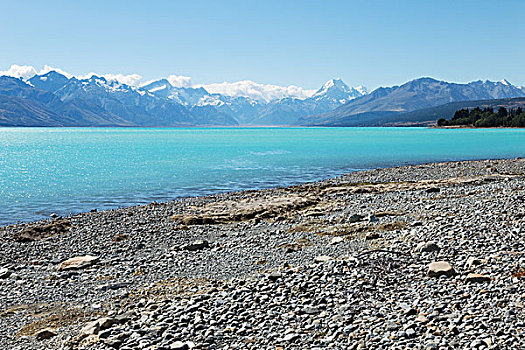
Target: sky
301	43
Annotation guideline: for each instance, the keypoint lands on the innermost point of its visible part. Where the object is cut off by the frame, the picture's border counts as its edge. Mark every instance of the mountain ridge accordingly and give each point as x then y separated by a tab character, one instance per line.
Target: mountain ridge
55	99
413	95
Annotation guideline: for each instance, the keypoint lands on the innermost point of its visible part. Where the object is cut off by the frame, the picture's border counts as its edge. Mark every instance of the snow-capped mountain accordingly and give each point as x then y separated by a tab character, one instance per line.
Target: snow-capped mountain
127	102
53	98
161	103
287	111
337	91
249	111
414	95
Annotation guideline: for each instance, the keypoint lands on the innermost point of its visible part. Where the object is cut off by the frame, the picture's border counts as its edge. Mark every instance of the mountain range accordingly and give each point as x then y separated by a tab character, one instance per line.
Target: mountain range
52	99
423	93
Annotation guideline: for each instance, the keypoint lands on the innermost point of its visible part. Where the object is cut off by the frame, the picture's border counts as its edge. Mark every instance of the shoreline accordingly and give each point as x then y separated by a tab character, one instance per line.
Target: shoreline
475	127
233	192
338	263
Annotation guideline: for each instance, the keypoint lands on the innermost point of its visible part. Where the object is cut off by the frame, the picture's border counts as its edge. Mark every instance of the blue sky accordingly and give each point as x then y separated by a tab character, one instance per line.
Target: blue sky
303	43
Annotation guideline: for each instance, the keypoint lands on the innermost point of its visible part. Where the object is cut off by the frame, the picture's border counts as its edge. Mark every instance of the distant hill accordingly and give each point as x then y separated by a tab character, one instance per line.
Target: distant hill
388	103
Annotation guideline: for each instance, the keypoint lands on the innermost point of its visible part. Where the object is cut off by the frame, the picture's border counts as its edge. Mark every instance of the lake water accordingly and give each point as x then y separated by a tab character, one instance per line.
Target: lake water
69	170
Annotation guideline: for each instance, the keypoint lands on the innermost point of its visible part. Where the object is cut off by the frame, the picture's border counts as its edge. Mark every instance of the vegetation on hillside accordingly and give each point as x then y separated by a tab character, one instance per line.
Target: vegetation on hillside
486	118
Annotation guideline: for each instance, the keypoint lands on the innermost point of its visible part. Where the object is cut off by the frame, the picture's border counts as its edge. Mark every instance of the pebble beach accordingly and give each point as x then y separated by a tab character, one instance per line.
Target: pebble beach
426	256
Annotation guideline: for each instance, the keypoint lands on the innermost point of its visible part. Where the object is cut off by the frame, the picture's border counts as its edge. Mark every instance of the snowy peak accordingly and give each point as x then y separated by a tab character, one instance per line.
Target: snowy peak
51	81
333	86
157	85
337	91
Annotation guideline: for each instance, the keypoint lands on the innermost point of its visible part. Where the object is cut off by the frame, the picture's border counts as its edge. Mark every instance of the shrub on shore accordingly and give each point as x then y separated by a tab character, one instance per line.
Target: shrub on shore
486	118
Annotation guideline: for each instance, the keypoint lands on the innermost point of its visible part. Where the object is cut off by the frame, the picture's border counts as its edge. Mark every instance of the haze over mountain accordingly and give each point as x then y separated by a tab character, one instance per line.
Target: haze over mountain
57	98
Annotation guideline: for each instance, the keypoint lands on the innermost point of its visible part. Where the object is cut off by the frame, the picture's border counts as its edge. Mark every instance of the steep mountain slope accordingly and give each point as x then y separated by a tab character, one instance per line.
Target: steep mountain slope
413	95
49	109
18	111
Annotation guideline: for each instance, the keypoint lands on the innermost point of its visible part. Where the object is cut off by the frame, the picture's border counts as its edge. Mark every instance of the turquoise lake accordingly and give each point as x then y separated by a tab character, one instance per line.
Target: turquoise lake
69	170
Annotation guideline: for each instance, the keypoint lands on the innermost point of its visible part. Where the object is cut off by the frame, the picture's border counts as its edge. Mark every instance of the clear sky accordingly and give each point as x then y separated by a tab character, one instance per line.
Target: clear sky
282	42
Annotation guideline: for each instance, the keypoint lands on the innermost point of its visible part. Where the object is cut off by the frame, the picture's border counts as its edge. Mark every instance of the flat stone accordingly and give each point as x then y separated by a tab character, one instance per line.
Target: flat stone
373	235
78	262
440	268
433	190
477	278
196	245
427	247
421	319
45	334
355	218
336	240
274	276
106	322
322	259
291	337
178	345
310	310
90	328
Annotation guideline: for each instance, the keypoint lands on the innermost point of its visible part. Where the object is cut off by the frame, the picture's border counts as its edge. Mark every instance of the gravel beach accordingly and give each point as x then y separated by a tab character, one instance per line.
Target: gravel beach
416	257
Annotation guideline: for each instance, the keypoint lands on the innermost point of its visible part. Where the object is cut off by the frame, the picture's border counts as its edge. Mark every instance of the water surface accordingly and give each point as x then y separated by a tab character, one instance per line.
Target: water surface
69	170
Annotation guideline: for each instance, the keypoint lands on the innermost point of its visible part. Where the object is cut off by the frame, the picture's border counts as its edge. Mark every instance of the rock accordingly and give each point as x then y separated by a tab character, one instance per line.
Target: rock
90	328
372	236
94	327
4	273
178	345
391	326
38	232
373	218
410	332
322	259
89	341
421	319
196	245
106	322
440	268
274	276
53	216
229	211
477	278
310	310
355	218
336	240
473	261
432	190
45	334
427	247
409	311
78	262
291	337
124	317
